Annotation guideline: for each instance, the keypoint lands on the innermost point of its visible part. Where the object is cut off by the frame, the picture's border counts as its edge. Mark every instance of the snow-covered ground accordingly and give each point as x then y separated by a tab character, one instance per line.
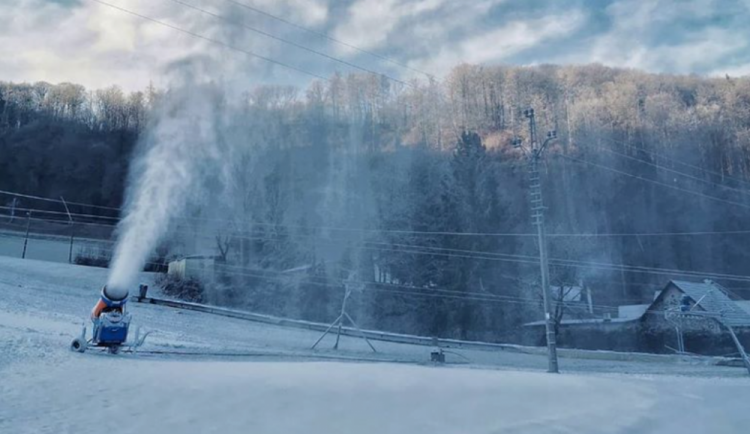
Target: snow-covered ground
203	373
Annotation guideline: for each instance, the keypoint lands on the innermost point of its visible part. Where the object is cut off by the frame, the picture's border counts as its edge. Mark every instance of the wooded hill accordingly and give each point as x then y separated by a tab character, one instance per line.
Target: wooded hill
356	176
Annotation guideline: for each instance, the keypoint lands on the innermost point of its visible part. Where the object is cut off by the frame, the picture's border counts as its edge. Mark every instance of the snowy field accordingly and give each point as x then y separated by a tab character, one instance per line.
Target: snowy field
201	373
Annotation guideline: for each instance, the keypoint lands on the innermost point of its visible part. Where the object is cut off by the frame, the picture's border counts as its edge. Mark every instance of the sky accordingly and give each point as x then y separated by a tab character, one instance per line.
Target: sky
87	42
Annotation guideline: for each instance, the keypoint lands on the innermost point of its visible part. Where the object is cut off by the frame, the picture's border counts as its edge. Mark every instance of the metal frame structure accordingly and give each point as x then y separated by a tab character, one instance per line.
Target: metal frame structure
339	323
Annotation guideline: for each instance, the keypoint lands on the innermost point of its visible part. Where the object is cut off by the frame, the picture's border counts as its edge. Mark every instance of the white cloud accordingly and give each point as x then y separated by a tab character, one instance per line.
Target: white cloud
371	21
99	46
91	44
305	12
500	44
456	14
640	37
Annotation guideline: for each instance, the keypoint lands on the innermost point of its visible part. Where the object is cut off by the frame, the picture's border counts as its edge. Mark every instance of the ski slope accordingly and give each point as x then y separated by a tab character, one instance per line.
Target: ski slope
207	374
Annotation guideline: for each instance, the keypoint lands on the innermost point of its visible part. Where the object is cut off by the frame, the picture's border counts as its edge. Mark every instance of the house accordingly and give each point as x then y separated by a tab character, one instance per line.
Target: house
705	299
688	316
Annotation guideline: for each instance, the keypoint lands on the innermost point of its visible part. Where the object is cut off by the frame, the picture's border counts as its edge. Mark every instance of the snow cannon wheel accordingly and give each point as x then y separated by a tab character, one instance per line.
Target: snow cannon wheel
78	345
114	349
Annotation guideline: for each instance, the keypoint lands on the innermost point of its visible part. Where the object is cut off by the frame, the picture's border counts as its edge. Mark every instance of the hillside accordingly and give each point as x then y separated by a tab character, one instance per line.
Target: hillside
356	171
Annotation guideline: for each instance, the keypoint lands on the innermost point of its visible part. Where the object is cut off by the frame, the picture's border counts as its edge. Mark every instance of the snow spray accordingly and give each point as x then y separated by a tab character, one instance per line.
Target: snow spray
182	139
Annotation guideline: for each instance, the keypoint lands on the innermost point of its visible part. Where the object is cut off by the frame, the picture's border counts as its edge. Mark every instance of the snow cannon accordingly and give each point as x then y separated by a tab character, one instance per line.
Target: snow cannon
115	293
110	324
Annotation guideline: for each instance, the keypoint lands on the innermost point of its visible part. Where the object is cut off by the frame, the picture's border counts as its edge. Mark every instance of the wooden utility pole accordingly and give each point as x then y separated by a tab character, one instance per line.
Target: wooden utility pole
537	219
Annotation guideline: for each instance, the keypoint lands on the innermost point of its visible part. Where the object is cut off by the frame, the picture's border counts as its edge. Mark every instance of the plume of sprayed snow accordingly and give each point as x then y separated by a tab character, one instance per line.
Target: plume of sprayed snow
181	143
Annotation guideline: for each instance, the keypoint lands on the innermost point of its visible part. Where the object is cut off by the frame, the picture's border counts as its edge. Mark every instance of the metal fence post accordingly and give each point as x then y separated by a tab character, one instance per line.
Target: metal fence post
26	239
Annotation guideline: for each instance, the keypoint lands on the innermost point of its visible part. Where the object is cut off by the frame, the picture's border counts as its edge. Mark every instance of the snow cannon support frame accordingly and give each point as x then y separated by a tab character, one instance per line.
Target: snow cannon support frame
110	327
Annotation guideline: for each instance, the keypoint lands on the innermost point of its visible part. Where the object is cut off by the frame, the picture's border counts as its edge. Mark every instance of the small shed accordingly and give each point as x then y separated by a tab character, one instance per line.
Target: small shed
199	267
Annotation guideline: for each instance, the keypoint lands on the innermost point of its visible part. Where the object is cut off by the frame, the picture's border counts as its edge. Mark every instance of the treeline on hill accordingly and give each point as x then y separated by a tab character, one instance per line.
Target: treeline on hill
62	140
357	182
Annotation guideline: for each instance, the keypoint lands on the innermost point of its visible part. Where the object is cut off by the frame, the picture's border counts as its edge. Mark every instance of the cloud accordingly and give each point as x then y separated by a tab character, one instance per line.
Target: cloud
84	42
369	22
98	46
503	43
689	36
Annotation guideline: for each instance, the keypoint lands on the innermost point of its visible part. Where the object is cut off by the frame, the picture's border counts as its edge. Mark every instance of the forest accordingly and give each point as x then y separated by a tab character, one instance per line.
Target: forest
416	197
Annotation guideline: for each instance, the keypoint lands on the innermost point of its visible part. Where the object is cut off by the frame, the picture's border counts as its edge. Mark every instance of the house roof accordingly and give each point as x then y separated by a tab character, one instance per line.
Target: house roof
711	297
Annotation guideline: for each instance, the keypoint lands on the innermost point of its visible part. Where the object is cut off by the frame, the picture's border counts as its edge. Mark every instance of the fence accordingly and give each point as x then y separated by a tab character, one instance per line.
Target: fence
53	241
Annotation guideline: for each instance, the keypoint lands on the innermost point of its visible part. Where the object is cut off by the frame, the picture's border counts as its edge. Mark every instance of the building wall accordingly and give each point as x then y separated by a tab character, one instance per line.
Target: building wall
177	269
192	268
655	319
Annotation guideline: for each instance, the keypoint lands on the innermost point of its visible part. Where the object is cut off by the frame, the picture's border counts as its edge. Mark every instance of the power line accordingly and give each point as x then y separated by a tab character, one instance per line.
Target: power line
653	234
327	37
239	23
531	260
211	40
405	232
648	270
403	289
620	172
663	157
677	172
383	287
491	256
369	230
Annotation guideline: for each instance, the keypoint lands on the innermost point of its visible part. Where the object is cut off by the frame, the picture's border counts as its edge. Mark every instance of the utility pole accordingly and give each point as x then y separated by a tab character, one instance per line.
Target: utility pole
26	239
537	219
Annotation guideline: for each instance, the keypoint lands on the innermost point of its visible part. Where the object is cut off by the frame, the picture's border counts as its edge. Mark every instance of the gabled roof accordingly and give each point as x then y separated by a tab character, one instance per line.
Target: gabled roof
711	297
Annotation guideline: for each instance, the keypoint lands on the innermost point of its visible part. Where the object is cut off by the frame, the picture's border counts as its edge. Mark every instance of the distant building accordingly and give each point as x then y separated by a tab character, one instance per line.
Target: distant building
657	326
703	298
199	267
